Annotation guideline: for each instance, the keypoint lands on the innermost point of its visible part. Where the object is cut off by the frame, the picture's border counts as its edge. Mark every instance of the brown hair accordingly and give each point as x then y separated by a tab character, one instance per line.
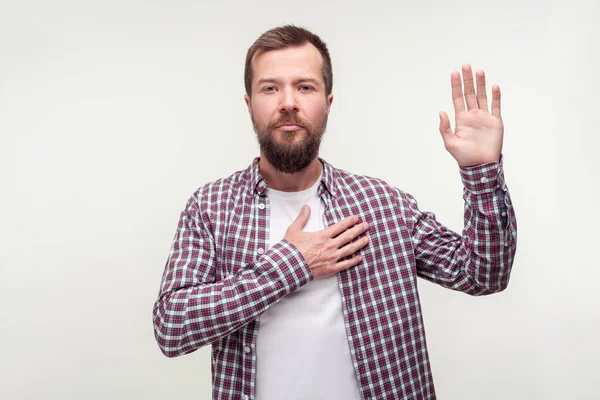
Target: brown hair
284	37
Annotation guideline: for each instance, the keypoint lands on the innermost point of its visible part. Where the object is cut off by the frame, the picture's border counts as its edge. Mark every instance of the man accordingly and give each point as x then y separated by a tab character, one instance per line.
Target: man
302	276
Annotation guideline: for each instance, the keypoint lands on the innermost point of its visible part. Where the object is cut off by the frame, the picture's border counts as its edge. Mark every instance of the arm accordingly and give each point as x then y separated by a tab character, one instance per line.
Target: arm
479	262
194	310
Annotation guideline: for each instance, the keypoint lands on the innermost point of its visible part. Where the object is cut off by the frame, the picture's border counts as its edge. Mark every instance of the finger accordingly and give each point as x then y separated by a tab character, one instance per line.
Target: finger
342	265
481	95
496	101
352	248
301	219
337	267
469	88
457	95
341	226
350	234
445	128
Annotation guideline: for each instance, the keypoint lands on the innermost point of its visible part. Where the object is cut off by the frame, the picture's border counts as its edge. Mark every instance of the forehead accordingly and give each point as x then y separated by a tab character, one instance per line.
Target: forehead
302	60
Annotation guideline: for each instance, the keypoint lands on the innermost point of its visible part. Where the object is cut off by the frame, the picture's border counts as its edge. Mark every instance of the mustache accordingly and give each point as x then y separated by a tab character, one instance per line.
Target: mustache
290	119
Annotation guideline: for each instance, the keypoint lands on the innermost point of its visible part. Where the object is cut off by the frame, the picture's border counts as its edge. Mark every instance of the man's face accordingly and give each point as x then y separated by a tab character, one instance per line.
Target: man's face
288	106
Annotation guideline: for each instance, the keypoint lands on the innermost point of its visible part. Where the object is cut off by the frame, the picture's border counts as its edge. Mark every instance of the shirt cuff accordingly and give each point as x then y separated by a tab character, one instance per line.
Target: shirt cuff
484	178
290	265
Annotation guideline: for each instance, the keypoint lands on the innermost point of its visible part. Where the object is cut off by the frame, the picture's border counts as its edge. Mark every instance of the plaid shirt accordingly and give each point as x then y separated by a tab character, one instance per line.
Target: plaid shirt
220	276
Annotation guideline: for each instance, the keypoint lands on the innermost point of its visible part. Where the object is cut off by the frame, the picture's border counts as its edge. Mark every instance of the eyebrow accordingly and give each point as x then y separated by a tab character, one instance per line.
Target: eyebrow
296	81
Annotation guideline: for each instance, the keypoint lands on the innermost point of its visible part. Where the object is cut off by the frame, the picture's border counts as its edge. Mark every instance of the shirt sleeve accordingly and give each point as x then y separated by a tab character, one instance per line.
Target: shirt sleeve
479	261
194	310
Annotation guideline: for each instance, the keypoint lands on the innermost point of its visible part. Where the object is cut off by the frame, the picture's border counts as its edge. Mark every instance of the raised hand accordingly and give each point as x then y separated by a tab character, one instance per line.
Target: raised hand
477	138
323	250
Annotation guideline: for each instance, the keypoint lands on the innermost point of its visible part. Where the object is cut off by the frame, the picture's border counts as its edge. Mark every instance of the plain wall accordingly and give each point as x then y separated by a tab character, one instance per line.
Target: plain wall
112	113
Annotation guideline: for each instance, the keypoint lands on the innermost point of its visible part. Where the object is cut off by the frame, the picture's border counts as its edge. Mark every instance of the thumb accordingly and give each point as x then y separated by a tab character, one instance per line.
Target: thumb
445	128
301	219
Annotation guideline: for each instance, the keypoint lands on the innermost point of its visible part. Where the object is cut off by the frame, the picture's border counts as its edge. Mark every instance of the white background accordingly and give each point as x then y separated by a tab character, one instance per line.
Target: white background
113	112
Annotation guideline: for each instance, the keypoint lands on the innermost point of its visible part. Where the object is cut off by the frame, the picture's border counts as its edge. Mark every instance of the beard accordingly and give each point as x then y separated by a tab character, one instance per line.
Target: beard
289	155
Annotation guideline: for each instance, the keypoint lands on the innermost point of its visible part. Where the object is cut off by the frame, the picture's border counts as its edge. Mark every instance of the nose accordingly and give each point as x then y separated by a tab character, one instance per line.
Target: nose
289	102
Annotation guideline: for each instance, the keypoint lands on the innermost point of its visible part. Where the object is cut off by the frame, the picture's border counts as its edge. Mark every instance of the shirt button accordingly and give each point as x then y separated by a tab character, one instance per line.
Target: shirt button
246	397
261	250
261	206
504	213
483	179
246	349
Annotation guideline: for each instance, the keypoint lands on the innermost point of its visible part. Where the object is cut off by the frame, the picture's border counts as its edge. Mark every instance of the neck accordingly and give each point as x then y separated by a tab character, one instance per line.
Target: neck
294	182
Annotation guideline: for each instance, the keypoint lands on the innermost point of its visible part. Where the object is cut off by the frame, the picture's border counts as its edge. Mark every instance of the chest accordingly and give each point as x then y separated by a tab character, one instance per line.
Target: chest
246	229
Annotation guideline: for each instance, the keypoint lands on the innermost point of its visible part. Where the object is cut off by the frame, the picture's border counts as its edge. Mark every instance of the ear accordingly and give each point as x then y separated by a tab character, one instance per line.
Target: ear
329	101
247	100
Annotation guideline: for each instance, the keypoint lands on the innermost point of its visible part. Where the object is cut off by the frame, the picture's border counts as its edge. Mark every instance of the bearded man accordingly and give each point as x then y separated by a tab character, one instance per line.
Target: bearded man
302	276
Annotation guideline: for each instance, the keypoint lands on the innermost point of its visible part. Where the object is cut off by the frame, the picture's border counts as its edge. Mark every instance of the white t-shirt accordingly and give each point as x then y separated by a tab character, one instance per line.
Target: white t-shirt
302	349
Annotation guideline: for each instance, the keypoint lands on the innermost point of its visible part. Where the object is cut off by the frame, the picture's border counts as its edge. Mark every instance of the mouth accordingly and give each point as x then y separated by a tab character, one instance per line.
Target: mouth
290	127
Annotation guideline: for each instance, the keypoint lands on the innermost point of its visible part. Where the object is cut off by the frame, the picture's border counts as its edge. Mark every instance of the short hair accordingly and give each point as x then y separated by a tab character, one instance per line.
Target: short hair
284	37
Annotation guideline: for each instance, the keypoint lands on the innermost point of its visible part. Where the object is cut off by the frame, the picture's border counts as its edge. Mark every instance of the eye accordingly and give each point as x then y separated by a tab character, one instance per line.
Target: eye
306	88
268	89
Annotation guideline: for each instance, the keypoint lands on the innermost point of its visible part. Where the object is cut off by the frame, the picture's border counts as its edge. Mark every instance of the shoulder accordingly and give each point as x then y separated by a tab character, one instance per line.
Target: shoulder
375	195
213	196
353	185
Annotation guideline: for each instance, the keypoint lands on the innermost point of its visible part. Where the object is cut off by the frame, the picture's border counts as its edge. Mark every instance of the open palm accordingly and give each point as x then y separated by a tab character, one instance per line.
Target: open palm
477	138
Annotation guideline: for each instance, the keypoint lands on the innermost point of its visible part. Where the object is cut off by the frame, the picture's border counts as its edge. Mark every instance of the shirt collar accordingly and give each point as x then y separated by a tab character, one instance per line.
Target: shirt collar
259	185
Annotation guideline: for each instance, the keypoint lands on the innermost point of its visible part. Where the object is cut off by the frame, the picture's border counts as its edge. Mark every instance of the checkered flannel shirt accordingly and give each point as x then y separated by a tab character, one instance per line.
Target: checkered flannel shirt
220	276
